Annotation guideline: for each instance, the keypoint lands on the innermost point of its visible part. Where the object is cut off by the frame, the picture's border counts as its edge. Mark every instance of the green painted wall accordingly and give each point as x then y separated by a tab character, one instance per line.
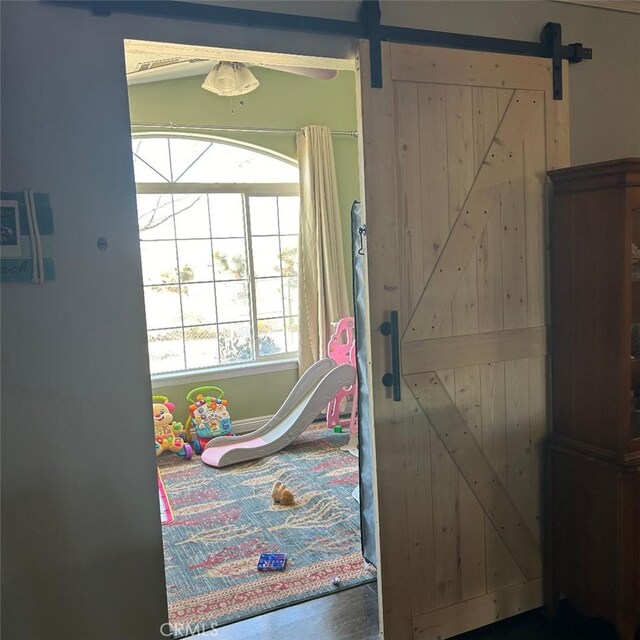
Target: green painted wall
285	101
249	396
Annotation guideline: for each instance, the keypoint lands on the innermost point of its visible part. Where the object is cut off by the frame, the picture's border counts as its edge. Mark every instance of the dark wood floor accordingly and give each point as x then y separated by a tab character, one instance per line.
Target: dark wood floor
353	615
534	625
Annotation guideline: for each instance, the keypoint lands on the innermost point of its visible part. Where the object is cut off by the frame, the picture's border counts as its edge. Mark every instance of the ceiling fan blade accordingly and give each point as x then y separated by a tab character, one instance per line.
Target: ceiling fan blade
318	74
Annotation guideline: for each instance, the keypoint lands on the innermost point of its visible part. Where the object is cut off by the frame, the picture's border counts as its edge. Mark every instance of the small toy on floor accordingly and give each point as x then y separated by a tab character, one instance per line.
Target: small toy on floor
281	494
272	562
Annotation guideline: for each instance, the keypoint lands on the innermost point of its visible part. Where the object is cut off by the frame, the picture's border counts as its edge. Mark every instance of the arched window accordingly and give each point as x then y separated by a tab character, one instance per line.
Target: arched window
218	228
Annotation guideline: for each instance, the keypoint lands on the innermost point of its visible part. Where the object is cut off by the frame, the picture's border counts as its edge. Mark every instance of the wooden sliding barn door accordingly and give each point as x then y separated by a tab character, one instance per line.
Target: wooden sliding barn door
456	146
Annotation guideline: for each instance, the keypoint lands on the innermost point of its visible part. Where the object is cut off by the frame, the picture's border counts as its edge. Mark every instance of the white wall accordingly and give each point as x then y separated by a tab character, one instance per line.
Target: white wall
81	544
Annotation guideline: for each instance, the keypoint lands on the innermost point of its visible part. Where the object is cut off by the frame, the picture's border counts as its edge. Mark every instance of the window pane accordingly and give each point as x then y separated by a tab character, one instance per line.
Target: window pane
269	298
198	304
229	259
144	173
151	160
289	211
232	299
155	217
230	163
292	334
198	298
227	215
192	215
266	256
162	306
159	265
195	260
235	343
289	255
184	152
290	296
264	216
271	337
165	350
201	346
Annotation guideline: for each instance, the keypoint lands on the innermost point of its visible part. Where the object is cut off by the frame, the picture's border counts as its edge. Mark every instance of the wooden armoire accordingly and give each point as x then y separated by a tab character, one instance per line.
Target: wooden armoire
594	504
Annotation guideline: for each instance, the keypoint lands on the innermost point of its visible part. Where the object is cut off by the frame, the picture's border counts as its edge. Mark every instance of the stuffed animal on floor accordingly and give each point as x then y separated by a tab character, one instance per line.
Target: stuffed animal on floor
281	494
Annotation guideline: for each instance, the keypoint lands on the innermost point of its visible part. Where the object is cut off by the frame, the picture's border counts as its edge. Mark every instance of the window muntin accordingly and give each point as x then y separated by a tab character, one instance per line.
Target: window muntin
188	160
220	269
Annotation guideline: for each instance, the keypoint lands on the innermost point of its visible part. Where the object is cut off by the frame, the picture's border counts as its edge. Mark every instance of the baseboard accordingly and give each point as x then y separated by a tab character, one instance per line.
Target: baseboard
249	424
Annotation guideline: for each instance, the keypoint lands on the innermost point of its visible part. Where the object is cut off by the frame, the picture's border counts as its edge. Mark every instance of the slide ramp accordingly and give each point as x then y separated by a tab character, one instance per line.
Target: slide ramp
308	398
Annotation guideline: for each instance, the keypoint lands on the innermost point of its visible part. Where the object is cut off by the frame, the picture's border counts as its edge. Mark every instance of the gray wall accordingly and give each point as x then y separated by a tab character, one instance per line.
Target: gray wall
81	538
81	544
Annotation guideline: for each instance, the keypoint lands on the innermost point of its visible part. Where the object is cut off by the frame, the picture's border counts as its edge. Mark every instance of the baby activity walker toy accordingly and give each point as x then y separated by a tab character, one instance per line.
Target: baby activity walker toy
208	417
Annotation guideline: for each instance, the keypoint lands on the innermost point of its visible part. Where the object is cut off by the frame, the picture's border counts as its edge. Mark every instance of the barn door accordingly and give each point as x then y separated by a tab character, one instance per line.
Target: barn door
455	147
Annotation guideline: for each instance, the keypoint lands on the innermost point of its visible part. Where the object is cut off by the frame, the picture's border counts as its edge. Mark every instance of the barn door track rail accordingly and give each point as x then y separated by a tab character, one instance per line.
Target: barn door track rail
367	26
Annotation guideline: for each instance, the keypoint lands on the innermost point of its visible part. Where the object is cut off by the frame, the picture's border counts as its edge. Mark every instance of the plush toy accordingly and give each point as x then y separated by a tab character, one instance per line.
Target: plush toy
169	434
281	494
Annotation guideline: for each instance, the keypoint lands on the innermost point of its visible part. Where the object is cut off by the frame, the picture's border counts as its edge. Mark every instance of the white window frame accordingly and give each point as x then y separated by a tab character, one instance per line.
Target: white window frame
259	364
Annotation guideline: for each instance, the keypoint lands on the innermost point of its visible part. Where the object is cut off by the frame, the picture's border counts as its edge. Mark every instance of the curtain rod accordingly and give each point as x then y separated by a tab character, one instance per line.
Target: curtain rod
197	127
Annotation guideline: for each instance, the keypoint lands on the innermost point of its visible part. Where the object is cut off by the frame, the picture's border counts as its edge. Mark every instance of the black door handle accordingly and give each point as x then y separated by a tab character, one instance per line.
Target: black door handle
392	379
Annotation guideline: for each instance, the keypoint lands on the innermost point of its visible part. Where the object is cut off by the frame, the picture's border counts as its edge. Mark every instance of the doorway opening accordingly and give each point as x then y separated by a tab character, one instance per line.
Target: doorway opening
252	459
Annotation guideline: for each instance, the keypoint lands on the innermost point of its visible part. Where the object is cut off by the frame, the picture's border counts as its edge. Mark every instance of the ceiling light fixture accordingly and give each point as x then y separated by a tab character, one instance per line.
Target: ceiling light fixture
230	79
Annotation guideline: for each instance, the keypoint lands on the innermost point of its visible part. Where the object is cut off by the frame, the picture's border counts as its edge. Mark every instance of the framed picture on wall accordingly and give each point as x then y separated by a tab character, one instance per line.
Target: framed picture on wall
10	229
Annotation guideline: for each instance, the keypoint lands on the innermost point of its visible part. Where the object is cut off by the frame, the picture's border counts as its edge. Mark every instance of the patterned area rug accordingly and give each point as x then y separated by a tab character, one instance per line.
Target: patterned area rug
225	518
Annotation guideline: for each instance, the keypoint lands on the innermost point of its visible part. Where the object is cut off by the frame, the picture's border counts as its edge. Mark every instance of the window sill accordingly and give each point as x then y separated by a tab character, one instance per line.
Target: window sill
176	379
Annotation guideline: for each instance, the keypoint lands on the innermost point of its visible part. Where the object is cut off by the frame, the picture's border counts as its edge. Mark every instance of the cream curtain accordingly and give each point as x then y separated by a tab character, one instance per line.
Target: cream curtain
322	280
